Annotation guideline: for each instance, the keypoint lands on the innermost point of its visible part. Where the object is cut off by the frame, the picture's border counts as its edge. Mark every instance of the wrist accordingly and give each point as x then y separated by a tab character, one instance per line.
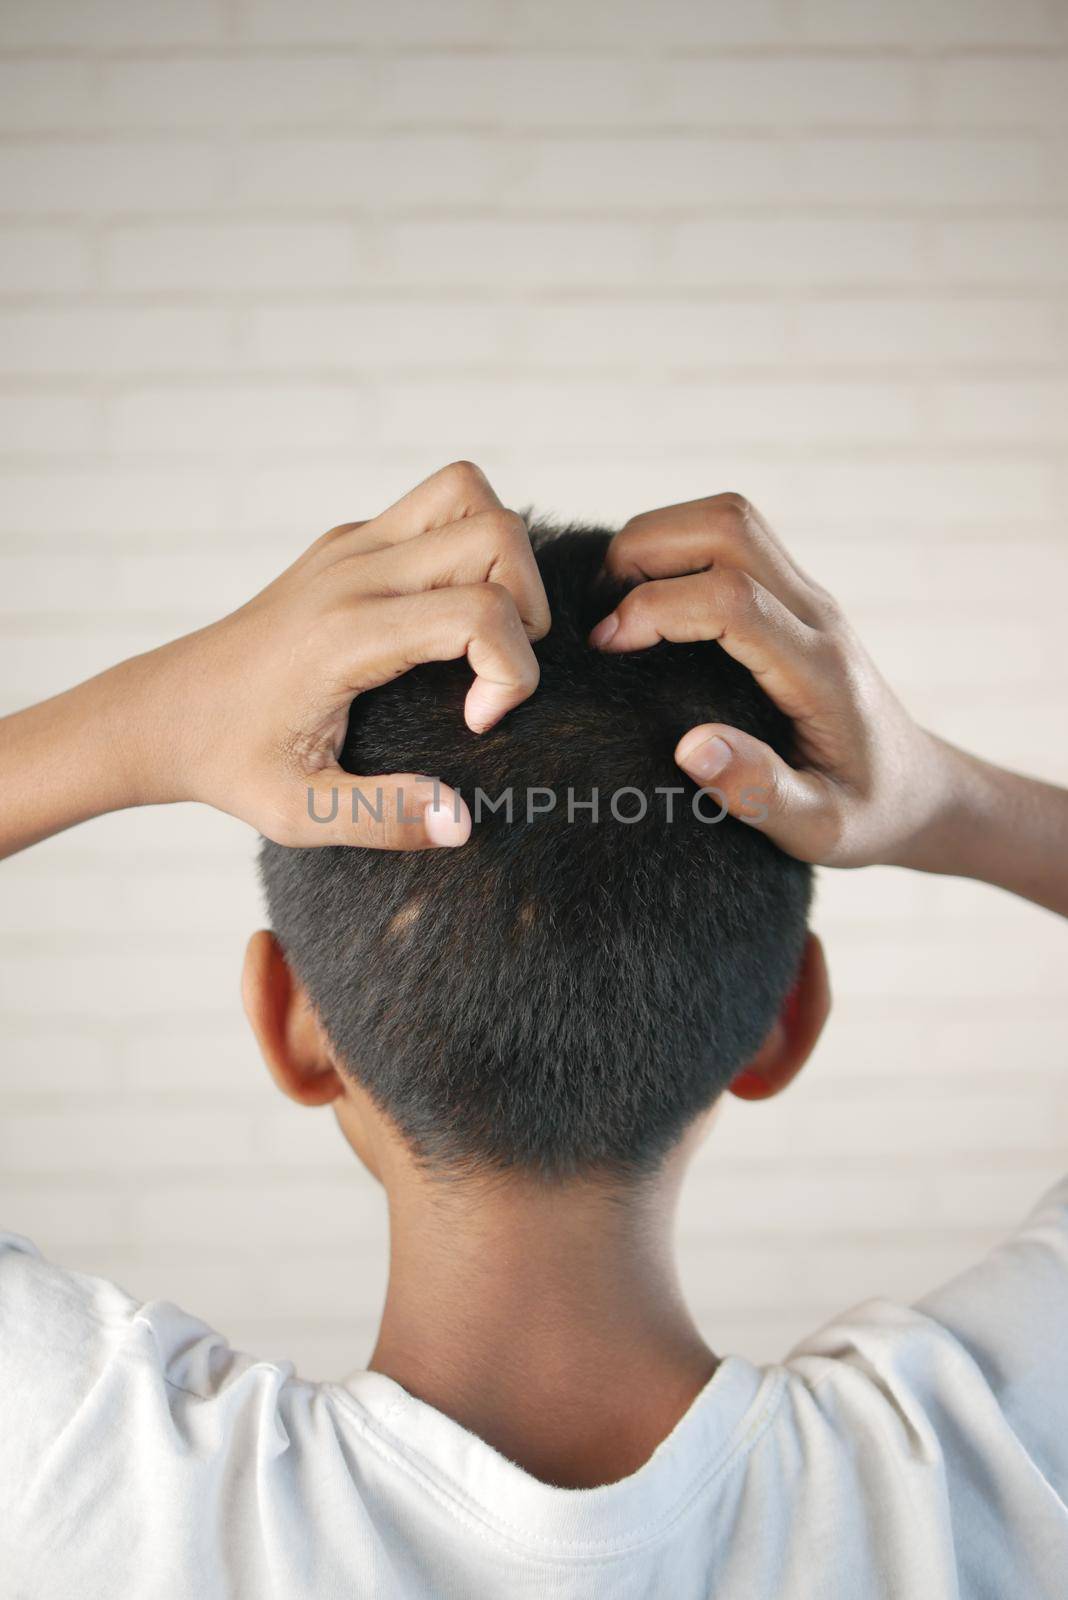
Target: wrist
75	757
140	704
957	800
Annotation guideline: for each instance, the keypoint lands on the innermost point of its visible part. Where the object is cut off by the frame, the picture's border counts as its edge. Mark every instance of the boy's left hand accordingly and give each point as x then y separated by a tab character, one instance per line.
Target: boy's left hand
868	780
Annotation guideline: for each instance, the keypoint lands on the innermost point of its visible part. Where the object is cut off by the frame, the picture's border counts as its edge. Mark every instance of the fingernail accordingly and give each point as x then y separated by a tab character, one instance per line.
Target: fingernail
447	821
706	759
606	629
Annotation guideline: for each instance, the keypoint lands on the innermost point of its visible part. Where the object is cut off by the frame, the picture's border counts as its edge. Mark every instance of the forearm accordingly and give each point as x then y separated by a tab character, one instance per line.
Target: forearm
999	827
73	757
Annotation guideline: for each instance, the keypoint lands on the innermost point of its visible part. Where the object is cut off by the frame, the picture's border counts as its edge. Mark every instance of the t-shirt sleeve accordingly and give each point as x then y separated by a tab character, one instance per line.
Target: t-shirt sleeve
109	1399
59	1335
1010	1312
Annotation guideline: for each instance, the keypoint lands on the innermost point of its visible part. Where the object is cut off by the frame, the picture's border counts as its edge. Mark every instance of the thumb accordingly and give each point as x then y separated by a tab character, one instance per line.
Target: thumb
758	787
390	811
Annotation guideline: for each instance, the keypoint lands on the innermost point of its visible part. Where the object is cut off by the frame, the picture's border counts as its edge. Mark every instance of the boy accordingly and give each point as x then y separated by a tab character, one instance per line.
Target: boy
523	1015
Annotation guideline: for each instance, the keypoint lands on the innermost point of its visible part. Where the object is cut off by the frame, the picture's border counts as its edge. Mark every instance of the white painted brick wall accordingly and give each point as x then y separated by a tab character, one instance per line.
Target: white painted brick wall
263	264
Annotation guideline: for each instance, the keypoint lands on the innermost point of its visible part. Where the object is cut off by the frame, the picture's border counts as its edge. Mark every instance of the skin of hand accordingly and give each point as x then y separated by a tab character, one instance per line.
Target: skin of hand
249	714
869	783
445	572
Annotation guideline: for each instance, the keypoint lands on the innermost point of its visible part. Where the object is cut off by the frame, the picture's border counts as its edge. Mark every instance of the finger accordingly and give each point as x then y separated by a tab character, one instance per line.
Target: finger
798	810
393	811
486	547
727	605
723	529
459	490
478	620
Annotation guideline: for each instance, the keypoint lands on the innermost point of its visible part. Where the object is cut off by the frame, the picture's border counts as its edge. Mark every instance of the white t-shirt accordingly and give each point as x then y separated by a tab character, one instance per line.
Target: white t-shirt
907	1452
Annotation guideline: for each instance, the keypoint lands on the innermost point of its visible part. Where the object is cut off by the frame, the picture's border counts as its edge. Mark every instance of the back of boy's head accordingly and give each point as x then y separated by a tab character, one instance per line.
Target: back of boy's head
564	993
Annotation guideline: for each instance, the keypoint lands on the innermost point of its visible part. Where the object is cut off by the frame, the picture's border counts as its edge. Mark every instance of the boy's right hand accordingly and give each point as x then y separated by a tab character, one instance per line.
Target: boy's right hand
249	714
252	711
869	781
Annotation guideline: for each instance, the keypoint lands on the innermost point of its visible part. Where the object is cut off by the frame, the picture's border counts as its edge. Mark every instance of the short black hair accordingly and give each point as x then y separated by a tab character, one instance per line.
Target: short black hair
560	994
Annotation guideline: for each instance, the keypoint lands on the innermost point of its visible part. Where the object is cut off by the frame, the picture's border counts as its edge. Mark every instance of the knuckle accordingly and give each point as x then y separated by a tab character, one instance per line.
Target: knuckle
828	610
774	792
501	530
733	504
833	653
494	603
329	541
638	605
463	477
830	830
540	620
627	546
511	526
529	675
629	535
326	540
735	590
380	817
619	554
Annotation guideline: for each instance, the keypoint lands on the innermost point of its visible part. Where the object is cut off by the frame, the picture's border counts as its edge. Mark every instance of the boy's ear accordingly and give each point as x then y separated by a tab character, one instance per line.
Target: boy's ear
794	1033
286	1028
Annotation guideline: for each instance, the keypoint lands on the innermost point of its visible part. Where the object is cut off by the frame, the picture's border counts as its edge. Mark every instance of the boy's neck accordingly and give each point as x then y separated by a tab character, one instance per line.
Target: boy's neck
546	1319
